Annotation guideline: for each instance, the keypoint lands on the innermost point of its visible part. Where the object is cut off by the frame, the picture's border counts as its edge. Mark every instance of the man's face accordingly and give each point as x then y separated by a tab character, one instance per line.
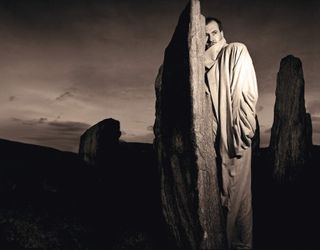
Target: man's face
213	34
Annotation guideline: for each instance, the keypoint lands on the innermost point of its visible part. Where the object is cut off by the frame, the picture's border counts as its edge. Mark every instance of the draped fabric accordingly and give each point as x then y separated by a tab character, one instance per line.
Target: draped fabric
233	86
231	81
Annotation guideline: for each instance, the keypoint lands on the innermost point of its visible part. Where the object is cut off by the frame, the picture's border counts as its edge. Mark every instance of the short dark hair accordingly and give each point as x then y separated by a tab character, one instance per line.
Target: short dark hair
213	19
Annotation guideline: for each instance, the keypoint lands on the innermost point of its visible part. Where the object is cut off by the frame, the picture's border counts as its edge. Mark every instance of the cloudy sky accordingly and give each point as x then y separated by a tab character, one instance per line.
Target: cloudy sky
66	65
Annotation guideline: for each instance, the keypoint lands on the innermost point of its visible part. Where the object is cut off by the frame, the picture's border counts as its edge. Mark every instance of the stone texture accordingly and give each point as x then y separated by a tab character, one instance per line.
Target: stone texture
184	140
290	141
99	142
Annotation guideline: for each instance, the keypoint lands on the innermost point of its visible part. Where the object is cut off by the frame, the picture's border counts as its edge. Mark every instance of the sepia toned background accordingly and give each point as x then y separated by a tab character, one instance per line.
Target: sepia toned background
65	65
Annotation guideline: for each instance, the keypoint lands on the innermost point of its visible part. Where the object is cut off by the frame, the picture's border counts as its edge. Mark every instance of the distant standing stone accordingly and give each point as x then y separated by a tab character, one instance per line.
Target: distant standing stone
291	131
99	142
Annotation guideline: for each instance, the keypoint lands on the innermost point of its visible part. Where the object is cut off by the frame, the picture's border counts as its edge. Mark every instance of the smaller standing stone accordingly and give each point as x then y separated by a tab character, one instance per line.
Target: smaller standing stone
99	143
291	129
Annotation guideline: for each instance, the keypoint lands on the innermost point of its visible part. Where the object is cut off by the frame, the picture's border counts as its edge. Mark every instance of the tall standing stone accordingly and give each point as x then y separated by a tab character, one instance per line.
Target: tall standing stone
290	135
184	139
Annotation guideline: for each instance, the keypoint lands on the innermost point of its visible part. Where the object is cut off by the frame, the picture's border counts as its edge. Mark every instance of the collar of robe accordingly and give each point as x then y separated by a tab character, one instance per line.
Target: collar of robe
211	54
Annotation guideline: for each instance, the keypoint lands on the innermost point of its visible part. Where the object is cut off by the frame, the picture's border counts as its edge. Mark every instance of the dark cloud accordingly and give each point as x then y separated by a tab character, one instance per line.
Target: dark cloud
64	96
51	17
68	126
16	119
63	135
42	120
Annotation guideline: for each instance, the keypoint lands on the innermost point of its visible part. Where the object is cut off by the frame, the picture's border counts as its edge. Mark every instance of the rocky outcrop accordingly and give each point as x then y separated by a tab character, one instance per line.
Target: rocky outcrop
99	142
184	139
290	141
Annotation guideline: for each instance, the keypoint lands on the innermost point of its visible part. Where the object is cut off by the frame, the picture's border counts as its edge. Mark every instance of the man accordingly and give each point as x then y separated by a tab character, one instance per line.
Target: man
231	81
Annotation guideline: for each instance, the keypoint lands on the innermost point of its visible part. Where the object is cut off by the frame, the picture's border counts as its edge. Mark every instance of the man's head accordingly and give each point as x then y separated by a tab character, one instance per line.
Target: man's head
214	32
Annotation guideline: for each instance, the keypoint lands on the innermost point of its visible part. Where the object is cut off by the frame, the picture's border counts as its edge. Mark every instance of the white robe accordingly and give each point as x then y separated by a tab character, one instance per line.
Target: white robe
231	81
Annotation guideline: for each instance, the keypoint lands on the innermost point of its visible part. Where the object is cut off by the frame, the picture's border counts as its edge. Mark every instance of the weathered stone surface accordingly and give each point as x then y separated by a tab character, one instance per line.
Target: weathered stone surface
291	130
184	139
99	142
